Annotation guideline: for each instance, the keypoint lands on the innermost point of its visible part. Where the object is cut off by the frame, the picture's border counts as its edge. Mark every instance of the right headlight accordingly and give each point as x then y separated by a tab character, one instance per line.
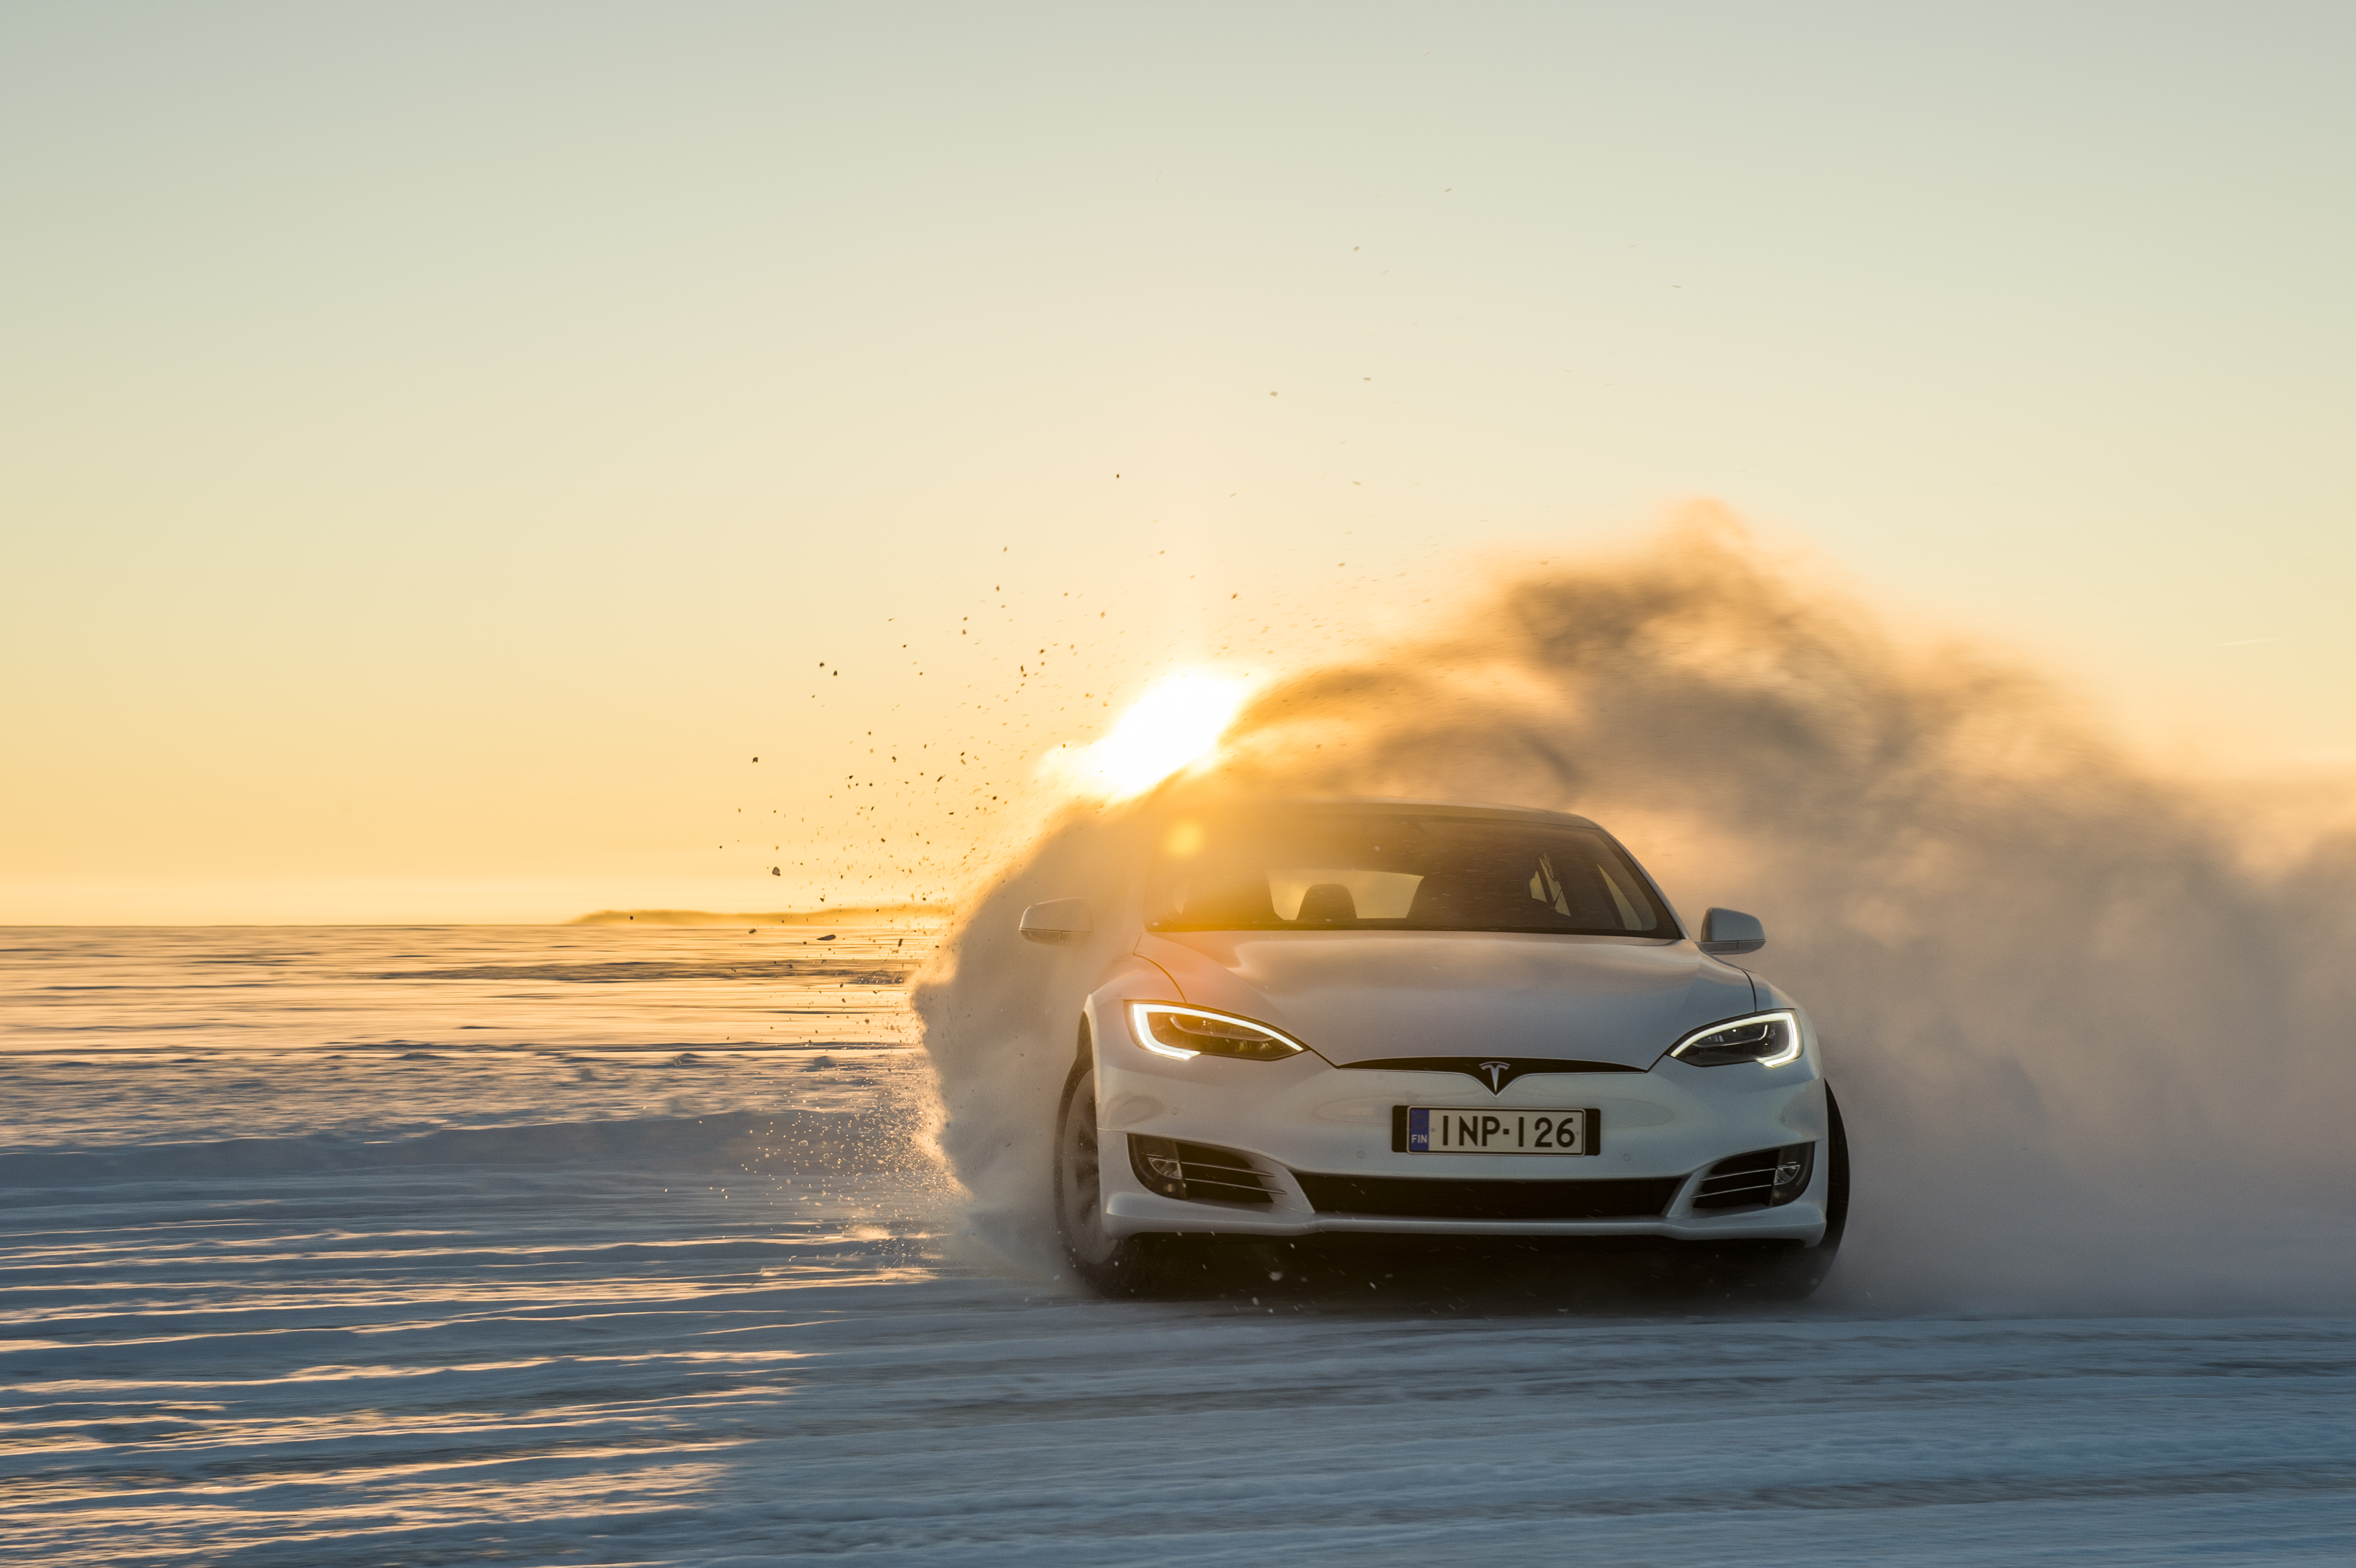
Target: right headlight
1770	1039
1167	1028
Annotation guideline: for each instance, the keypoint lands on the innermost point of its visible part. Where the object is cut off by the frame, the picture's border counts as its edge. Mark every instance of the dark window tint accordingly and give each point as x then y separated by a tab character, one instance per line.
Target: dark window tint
1363	870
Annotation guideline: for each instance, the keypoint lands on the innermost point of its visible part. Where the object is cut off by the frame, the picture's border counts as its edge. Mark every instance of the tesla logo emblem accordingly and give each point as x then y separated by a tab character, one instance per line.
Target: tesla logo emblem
1496	1071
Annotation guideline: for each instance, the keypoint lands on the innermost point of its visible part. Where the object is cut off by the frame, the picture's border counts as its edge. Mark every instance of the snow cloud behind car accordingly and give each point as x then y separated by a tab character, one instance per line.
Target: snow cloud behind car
2089	1020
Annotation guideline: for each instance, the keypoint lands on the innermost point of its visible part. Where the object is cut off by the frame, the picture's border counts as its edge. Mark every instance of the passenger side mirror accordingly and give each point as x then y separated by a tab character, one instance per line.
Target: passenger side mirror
1724	931
1059	920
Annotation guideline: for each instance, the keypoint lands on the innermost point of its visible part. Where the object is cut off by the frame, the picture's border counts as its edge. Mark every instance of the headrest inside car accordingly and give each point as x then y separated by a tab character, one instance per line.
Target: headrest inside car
1326	903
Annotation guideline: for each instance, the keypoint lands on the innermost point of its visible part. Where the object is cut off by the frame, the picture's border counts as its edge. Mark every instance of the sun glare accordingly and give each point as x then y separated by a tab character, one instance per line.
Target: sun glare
1175	724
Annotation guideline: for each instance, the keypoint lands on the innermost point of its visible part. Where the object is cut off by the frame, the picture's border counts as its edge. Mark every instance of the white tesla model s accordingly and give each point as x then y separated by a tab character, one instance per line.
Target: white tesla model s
1425	1019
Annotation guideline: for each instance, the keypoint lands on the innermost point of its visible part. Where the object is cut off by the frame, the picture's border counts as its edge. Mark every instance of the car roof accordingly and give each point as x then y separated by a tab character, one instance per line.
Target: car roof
1426	808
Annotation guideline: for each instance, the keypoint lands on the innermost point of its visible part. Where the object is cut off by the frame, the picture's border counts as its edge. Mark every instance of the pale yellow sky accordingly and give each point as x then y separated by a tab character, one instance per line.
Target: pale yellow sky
439	445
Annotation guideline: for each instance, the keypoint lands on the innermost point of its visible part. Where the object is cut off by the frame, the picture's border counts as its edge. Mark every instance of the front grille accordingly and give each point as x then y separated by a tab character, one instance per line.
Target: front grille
1760	1180
1415	1198
1199	1173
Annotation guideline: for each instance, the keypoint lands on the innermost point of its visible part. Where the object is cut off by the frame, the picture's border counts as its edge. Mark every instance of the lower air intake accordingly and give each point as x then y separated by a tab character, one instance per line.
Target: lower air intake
1763	1179
1199	1173
1415	1198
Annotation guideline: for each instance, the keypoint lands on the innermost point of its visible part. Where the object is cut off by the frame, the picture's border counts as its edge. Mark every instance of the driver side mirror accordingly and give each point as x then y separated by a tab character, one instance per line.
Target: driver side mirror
1057	919
1725	931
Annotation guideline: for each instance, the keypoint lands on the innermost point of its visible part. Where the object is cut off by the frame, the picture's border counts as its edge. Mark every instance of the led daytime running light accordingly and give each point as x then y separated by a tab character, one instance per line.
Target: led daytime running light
1219	1034
1784	1018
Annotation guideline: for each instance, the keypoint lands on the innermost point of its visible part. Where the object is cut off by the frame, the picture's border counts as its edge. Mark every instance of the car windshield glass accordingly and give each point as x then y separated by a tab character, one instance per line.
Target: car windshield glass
1372	871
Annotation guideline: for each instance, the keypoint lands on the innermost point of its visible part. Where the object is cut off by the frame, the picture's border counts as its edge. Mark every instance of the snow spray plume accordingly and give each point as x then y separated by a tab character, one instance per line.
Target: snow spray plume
2093	1056
998	1032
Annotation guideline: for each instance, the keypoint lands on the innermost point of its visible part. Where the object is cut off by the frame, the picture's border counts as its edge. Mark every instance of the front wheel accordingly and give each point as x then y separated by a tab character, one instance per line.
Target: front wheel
1787	1271
1109	1264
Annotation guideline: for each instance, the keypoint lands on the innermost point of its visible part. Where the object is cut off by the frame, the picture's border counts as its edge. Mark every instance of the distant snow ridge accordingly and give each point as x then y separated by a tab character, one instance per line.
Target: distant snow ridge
785	1142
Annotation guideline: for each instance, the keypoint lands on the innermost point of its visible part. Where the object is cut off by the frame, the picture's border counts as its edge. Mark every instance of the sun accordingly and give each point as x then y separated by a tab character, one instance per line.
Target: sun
1177	723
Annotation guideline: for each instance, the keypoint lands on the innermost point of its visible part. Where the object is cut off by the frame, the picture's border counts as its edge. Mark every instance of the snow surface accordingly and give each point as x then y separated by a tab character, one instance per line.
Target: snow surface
320	1249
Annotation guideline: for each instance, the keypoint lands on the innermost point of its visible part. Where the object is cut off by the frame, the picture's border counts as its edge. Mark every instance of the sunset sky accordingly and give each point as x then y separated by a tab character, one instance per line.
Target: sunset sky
441	446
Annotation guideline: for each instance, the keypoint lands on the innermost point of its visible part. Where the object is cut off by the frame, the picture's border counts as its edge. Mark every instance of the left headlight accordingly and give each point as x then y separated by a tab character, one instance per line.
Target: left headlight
1167	1028
1770	1039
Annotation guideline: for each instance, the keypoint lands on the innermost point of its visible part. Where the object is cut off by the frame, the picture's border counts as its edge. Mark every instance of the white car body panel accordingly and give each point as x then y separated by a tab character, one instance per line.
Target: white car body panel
1362	996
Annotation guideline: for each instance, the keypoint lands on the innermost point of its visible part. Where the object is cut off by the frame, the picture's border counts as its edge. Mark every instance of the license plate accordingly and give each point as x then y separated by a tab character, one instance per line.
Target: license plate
1432	1129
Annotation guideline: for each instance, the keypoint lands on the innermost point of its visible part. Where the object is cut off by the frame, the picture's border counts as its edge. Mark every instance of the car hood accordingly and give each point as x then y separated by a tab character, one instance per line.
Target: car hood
1353	996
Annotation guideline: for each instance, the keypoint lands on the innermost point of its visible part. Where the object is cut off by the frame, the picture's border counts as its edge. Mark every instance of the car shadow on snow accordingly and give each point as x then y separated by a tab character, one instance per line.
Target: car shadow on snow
1490	1277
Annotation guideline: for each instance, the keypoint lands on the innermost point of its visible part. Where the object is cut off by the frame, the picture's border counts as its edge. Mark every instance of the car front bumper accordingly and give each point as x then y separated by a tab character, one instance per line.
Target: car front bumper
1304	1115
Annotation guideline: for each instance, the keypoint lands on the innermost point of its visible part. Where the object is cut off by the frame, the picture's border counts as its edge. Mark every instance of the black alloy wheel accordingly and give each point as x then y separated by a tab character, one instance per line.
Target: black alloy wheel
1107	1265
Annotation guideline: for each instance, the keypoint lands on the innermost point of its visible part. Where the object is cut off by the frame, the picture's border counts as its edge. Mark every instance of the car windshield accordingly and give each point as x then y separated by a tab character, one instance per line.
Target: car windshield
1404	871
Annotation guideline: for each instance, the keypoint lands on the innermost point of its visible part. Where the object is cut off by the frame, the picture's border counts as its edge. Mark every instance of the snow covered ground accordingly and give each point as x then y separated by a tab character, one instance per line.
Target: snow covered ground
596	1247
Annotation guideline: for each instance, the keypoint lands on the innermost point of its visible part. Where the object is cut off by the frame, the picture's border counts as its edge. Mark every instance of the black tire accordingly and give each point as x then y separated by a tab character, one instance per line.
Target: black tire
1106	1265
1836	1183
